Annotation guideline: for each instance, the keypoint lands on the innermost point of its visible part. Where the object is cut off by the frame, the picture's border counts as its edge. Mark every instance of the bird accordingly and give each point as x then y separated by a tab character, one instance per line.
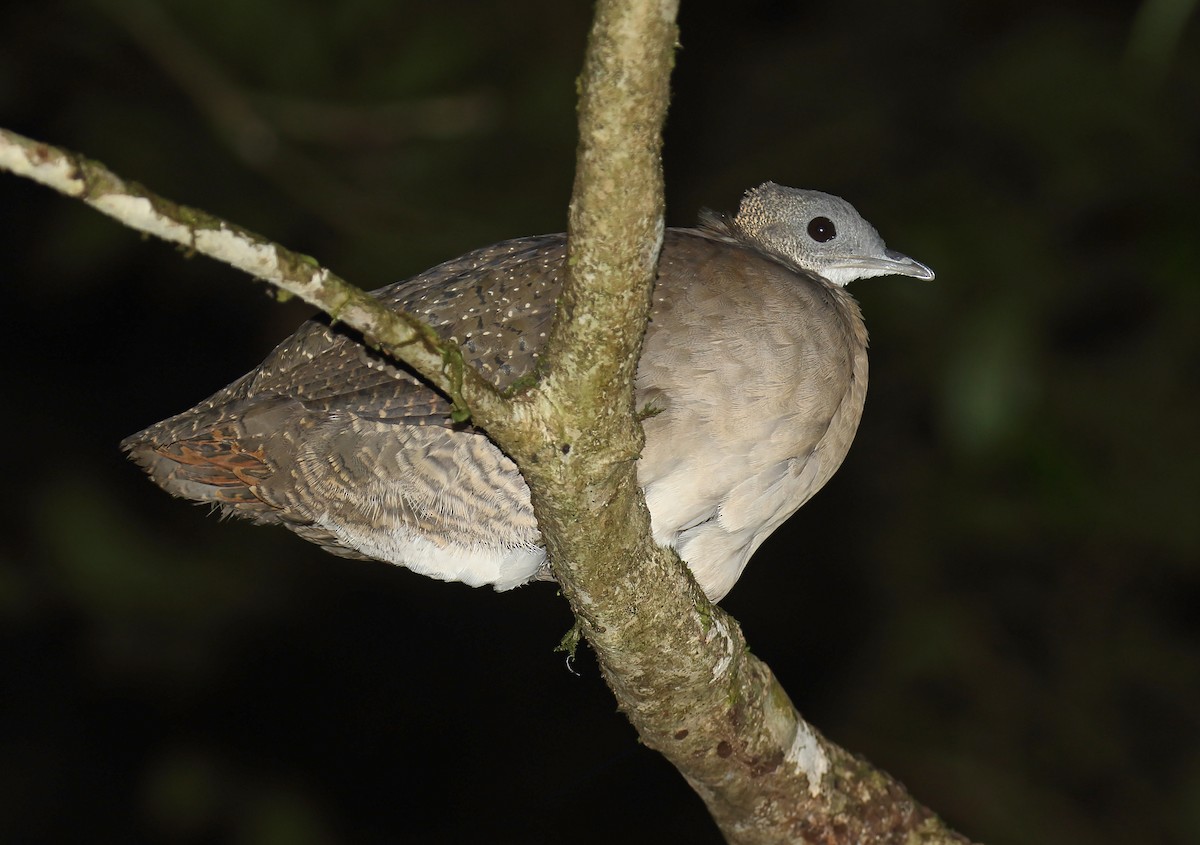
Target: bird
750	388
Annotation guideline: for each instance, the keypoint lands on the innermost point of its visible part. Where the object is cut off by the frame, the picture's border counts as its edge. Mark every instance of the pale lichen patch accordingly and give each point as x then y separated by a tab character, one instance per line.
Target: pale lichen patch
715	628
41	164
258	259
808	757
141	214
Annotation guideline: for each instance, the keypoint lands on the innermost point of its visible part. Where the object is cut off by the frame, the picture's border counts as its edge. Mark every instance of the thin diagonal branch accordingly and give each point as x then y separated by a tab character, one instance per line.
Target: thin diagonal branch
398	334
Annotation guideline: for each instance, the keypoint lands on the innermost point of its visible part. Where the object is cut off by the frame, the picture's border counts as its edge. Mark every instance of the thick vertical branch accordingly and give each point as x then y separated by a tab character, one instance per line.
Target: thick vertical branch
678	666
580	457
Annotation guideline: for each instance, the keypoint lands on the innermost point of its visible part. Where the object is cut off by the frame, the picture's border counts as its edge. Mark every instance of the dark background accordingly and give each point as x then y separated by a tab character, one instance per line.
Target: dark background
995	599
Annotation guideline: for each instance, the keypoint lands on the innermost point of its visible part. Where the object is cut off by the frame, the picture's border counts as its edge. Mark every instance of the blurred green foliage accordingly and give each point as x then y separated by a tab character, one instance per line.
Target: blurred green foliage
996	599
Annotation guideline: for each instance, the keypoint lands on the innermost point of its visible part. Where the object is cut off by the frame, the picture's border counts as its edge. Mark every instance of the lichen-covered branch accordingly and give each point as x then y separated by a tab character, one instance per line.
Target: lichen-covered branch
294	274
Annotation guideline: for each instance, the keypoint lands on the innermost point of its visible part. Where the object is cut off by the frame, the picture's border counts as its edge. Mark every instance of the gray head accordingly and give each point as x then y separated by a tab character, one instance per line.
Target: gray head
821	233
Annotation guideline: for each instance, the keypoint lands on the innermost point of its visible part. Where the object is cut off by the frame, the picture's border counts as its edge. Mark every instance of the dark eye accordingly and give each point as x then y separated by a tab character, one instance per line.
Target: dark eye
821	229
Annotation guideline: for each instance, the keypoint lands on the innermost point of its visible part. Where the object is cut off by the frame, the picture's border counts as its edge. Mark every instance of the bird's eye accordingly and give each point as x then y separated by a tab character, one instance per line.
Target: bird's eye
821	229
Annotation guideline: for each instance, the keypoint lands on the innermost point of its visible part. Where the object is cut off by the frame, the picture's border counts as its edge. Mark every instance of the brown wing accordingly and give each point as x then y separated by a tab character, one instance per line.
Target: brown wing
239	448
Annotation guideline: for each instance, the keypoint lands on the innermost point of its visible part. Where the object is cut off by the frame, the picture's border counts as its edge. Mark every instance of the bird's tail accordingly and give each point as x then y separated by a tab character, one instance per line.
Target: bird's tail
206	453
211	466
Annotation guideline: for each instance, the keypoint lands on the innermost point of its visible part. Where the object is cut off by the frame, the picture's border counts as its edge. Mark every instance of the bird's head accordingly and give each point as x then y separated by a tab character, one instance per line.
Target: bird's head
820	233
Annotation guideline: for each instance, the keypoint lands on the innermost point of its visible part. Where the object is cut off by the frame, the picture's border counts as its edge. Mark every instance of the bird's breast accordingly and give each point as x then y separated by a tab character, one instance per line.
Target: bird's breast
761	372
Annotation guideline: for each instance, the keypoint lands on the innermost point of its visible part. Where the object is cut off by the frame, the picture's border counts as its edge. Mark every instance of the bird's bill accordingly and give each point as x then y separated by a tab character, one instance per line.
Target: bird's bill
892	263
